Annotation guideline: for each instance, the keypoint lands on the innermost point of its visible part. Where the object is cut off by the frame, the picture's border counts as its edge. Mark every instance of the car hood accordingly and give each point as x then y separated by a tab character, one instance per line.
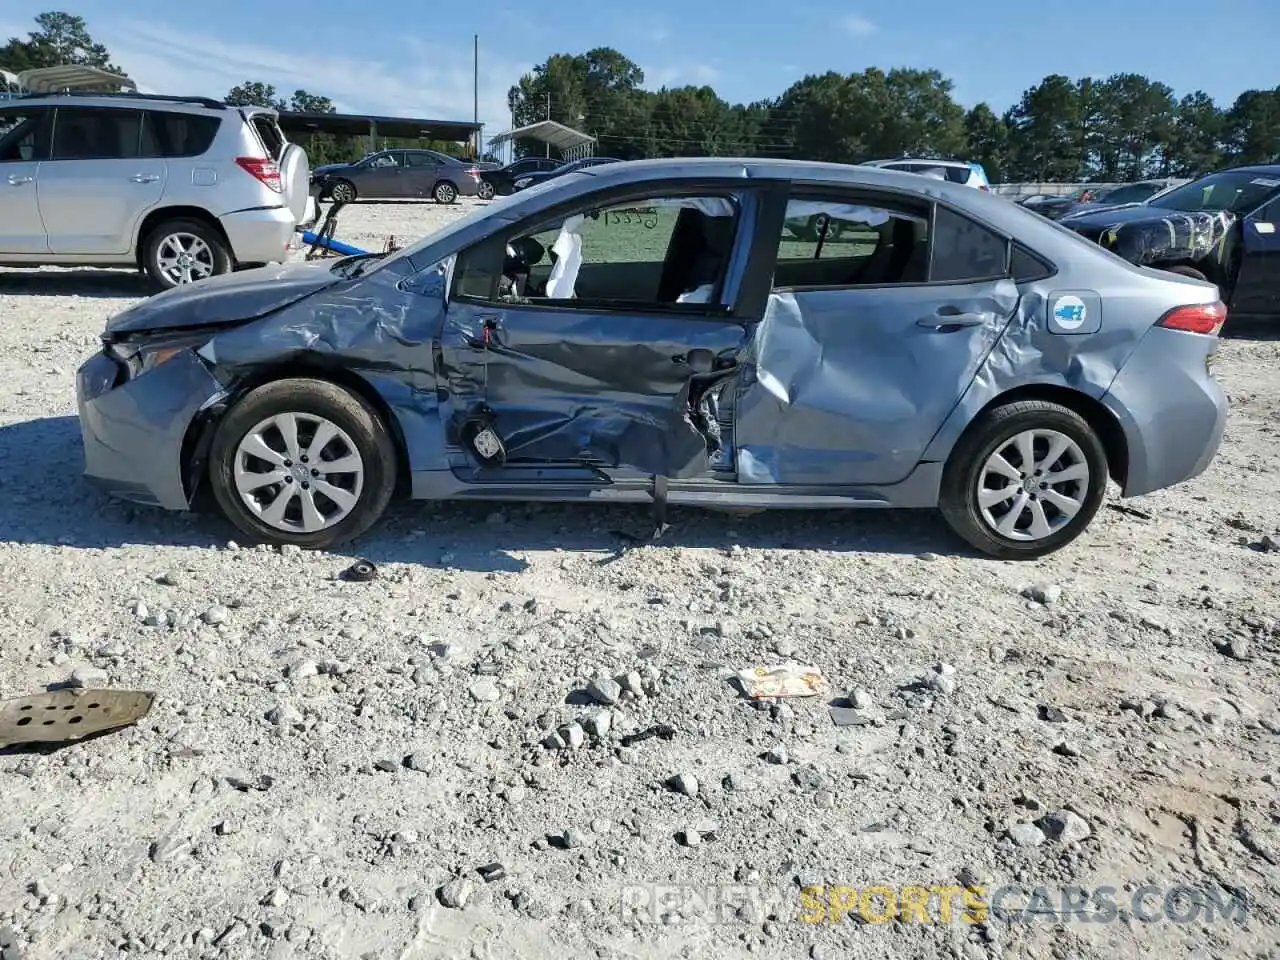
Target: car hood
1106	216
229	298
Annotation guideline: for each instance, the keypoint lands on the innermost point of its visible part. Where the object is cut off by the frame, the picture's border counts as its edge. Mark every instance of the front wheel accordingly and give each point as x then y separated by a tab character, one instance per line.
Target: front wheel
445	192
1024	480
343	192
302	462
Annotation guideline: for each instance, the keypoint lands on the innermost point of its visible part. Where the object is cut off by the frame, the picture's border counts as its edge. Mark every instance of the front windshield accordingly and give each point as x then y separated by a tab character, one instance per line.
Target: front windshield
1237	191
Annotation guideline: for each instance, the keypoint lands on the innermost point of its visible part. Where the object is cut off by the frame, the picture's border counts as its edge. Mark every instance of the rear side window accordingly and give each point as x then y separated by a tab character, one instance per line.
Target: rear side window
964	250
167	134
834	243
958	174
1025	266
86	133
270	134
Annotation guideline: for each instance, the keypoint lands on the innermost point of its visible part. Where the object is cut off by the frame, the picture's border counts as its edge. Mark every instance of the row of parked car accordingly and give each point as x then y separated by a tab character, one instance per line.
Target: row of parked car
185	188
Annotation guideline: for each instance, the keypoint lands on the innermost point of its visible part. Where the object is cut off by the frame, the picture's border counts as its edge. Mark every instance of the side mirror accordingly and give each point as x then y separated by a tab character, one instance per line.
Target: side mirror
432	282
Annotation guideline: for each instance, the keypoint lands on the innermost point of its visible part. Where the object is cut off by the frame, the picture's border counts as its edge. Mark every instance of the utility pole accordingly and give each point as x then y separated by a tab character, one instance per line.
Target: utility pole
475	88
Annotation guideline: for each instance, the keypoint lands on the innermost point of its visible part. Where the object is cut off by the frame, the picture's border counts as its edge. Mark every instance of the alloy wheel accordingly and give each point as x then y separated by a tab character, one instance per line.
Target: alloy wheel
298	472
1032	485
184	258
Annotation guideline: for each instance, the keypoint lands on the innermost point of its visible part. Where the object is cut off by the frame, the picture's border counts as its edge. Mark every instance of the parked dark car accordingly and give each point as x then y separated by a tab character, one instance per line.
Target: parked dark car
500	182
656	332
398	175
1223	227
1092	198
573	166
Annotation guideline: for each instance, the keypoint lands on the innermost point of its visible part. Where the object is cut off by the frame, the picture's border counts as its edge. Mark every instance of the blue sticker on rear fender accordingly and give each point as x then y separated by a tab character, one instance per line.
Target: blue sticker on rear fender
1073	312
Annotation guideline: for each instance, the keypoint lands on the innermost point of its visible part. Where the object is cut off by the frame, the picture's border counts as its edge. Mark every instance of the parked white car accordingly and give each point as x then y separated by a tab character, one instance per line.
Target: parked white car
182	188
956	171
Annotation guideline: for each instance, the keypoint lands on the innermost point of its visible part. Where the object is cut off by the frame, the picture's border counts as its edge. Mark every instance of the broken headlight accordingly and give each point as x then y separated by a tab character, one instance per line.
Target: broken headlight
139	356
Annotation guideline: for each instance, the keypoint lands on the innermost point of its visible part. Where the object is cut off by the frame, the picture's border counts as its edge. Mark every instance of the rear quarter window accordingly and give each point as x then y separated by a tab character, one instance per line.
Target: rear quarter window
270	134
958	174
168	134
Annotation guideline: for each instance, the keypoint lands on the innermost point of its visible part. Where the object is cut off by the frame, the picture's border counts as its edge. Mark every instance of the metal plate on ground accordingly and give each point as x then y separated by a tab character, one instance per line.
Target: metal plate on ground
66	715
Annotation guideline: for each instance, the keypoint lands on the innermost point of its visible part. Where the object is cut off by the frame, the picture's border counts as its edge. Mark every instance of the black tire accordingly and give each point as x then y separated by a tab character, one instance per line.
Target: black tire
343	191
220	254
1185	271
958	497
486	190
348	412
444	192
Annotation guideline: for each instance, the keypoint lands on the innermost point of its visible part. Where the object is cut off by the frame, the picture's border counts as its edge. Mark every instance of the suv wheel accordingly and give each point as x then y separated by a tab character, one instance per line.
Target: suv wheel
445	192
182	251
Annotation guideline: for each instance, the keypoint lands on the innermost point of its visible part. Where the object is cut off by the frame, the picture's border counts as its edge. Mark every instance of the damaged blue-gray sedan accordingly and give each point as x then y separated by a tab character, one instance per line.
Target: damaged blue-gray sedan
711	332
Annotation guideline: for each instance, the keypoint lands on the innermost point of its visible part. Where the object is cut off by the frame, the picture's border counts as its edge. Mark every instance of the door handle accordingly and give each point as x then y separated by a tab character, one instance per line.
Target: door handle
946	322
144	178
18	181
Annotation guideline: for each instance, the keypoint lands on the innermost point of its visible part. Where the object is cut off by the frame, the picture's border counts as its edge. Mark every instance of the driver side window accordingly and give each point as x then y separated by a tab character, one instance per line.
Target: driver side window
659	252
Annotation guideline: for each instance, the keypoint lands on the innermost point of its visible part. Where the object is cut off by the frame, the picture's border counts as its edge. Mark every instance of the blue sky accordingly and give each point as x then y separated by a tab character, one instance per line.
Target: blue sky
407	57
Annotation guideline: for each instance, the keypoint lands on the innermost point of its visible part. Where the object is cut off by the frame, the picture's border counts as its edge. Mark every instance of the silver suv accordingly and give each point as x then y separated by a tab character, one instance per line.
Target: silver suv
182	188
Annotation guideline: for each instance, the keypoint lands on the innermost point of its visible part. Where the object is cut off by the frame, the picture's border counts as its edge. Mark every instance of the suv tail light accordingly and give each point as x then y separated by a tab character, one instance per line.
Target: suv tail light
1206	318
267	171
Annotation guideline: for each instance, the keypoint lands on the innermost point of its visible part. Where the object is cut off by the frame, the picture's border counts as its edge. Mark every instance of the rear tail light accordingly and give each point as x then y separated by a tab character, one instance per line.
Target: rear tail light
1206	318
474	172
266	171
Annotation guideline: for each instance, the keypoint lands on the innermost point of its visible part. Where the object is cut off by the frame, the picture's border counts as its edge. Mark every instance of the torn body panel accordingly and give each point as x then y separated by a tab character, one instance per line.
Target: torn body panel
1192	237
133	435
848	386
611	390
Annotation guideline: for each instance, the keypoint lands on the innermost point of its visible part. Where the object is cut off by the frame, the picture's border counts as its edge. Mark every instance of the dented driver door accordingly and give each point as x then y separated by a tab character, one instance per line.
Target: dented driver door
608	378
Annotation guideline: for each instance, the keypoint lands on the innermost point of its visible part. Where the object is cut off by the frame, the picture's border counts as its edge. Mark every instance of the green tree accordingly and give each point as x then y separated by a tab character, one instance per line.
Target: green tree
61	39
1253	127
987	138
303	102
1195	143
252	93
1133	125
1045	141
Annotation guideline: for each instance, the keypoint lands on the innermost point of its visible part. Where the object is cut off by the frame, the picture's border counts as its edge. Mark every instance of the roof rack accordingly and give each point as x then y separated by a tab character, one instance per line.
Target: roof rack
129	95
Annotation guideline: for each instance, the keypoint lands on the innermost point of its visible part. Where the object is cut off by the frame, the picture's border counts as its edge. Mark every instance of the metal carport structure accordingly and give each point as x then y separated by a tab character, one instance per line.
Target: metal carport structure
366	125
572	144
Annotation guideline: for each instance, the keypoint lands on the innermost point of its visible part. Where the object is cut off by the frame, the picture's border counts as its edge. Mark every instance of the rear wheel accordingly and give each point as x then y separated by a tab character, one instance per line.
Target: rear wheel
344	191
1185	271
1025	480
486	190
177	252
302	462
445	192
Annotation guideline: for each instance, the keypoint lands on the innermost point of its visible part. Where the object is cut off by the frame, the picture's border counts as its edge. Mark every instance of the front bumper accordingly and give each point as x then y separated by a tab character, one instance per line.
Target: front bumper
260	236
1172	411
134	432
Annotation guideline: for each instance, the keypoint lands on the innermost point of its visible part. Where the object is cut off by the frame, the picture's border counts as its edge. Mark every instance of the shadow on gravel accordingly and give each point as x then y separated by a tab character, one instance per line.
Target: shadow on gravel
102	284
44	499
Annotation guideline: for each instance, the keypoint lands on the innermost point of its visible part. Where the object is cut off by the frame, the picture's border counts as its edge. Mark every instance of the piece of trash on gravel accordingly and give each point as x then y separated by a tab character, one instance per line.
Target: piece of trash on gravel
362	571
848	716
64	716
782	680
663	731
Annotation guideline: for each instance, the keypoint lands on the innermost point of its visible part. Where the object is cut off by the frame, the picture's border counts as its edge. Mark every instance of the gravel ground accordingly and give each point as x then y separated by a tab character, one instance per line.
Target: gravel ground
329	764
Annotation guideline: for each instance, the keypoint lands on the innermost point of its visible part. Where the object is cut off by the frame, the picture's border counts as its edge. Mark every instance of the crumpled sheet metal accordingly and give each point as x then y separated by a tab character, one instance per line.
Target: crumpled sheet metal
819	356
630	408
1180	236
62	716
385	336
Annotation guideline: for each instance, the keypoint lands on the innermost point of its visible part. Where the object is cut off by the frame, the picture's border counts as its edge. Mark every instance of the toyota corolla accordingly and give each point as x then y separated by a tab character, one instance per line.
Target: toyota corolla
710	332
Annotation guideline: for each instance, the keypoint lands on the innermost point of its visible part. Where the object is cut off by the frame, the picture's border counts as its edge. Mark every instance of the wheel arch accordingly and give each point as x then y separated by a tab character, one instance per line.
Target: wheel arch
161	214
199	435
1095	413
